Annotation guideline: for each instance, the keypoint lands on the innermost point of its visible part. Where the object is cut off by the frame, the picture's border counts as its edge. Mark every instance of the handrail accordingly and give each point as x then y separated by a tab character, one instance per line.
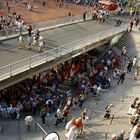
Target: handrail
37	124
27	63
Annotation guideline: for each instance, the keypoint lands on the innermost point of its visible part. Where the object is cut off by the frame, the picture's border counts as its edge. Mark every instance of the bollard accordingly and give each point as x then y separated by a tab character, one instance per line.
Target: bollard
112	119
19	129
105	136
90	115
43	136
123	99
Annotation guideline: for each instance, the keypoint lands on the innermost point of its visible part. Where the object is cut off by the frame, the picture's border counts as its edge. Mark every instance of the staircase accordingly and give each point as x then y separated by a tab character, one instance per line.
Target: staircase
130	41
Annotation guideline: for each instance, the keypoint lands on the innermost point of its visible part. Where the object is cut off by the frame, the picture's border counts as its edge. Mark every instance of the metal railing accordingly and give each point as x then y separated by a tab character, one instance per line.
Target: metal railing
13	32
36	60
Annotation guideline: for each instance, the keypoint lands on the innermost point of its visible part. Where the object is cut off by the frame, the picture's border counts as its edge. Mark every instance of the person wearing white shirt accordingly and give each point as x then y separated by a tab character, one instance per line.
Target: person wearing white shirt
135	132
41	43
134	62
28	122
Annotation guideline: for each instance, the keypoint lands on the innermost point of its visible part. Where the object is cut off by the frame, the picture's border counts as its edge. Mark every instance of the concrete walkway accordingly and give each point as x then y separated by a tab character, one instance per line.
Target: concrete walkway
55	37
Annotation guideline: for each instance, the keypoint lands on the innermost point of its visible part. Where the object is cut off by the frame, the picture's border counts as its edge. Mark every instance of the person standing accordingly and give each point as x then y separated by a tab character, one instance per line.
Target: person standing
84	16
44	3
123	51
130	26
43	114
121	78
137	21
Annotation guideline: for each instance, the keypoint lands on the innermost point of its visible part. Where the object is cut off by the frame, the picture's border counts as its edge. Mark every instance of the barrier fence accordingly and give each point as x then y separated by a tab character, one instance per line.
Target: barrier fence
36	60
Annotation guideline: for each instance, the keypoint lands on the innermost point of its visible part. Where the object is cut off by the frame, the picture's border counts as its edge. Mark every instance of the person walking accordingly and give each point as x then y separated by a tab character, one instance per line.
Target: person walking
121	78
108	111
29	28
41	43
21	42
84	119
99	93
72	133
28	122
81	100
134	62
29	41
43	114
59	116
129	65
49	105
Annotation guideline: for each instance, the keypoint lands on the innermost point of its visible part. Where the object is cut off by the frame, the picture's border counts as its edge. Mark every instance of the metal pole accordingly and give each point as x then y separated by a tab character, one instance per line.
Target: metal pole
112	119
90	115
19	129
105	136
41	128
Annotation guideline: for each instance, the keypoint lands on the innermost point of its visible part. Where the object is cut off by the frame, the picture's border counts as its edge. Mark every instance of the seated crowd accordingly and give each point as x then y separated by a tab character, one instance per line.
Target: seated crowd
10	20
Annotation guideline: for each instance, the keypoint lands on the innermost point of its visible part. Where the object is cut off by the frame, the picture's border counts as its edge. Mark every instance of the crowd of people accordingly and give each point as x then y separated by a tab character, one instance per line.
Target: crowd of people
10	21
87	76
41	92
